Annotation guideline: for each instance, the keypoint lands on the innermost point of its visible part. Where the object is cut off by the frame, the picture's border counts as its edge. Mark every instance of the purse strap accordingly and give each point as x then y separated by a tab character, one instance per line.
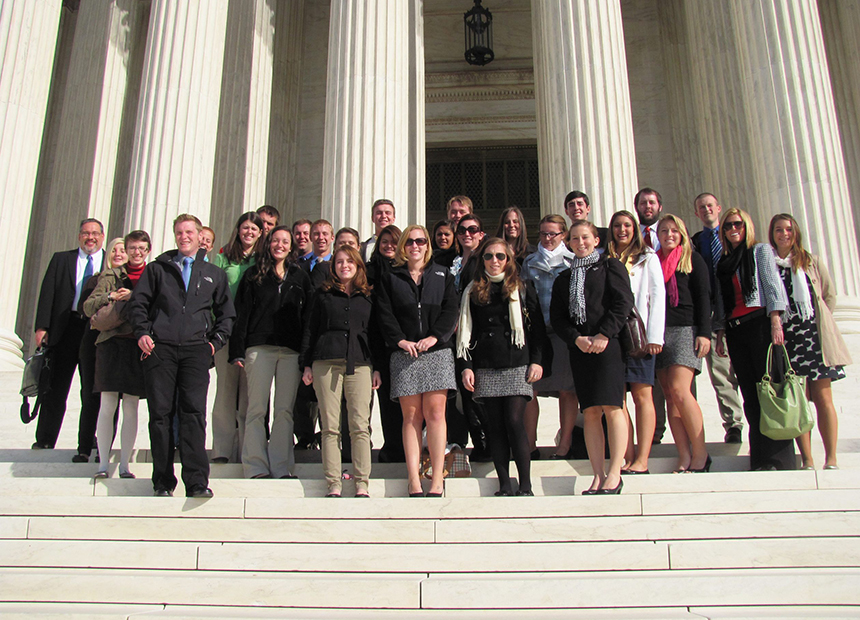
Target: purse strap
789	370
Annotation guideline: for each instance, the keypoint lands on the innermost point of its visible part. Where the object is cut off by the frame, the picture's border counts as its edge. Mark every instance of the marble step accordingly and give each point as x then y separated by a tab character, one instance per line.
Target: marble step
723	502
549	485
619	589
430	530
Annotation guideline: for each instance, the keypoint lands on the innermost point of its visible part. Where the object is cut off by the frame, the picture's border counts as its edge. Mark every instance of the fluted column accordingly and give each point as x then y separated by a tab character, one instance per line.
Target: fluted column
91	120
286	97
370	135
173	159
246	99
28	37
799	165
585	127
840	24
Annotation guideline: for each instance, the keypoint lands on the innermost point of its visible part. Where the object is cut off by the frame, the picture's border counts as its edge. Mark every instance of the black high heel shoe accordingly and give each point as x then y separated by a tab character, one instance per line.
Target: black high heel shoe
615	491
704	469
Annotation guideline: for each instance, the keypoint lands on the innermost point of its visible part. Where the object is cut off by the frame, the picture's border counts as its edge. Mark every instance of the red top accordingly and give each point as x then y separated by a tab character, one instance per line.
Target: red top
740	309
134	274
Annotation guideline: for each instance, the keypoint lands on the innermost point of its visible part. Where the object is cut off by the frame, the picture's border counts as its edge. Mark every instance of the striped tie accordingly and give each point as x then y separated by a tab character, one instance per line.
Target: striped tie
716	247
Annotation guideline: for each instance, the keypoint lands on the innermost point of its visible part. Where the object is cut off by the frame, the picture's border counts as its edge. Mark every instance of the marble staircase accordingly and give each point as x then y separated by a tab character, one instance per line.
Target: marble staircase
728	544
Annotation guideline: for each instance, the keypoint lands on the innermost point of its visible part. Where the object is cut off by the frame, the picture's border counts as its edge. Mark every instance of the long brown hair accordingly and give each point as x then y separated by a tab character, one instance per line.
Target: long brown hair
233	250
800	258
266	262
481	283
519	245
634	249
359	282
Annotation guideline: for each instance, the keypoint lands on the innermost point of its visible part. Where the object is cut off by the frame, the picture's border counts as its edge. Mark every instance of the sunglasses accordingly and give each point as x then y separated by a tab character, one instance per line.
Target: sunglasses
733	225
420	242
499	256
472	230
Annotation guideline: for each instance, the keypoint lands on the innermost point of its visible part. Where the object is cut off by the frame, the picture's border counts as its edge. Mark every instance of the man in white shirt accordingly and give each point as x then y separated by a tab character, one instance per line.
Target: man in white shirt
60	326
382	213
649	207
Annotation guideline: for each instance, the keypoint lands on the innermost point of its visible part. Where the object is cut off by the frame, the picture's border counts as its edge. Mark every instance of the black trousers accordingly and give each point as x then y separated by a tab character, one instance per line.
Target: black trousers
183	372
747	344
391	417
65	357
90	401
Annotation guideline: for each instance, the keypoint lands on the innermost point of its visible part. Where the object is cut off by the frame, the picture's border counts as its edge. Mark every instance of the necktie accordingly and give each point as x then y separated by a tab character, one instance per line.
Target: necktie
186	270
648	241
88	270
716	247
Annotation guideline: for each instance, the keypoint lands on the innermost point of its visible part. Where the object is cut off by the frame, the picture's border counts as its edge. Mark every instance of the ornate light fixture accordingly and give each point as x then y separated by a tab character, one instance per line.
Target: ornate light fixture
479	35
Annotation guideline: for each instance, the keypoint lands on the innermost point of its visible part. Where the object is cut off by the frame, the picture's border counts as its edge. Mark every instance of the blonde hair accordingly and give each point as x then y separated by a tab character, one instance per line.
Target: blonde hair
685	265
400	256
748	226
110	247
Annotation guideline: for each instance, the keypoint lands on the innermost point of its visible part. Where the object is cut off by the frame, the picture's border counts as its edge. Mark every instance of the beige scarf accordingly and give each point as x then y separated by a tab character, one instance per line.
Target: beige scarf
515	316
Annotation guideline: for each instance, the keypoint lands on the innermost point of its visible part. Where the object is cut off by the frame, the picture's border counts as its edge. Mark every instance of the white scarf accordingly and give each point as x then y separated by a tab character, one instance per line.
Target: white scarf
515	316
799	290
554	258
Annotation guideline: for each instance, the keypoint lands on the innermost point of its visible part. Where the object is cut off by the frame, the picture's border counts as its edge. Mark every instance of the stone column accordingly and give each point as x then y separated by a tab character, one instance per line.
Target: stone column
28	38
372	132
840	24
585	127
173	160
797	150
241	157
286	97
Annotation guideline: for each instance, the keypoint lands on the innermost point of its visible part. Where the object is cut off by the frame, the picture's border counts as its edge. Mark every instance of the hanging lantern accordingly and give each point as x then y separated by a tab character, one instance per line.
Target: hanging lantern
479	35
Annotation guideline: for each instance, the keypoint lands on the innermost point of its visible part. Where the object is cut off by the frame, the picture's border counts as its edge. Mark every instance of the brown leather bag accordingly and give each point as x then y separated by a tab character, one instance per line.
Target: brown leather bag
634	338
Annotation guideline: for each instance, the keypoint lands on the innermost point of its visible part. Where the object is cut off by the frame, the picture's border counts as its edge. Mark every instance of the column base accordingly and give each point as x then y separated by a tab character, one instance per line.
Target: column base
11	357
847	315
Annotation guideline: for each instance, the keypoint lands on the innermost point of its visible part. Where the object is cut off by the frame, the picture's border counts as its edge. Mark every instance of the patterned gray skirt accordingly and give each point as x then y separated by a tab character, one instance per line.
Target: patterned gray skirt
428	372
679	349
496	382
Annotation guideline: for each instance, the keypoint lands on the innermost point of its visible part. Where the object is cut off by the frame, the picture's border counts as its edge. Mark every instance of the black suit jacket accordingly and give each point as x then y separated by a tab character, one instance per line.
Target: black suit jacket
57	294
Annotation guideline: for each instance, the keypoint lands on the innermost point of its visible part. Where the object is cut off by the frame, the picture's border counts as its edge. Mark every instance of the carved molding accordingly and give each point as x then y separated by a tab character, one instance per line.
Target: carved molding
479	120
454	86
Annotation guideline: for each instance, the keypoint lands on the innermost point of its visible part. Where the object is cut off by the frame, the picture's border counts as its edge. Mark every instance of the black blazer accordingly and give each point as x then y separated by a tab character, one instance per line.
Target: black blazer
407	312
338	328
57	294
491	345
608	300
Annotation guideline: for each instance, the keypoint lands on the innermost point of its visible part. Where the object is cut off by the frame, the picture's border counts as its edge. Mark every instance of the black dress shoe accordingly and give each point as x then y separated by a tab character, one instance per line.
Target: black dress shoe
527	493
41	446
733	435
163	493
200	492
80	458
501	493
535	454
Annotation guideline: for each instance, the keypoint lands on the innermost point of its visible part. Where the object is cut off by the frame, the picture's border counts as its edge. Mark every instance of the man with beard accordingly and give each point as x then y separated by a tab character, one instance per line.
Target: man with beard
649	208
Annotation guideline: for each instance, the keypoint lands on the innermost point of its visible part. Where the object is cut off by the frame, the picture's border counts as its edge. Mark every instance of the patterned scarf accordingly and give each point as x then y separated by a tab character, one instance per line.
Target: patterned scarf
576	303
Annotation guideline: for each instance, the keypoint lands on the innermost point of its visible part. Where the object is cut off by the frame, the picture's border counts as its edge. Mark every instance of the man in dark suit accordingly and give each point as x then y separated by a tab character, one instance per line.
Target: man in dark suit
60	326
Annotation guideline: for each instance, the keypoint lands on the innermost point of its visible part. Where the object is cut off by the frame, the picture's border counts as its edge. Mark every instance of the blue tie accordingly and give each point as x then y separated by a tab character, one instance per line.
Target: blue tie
186	270
88	270
716	247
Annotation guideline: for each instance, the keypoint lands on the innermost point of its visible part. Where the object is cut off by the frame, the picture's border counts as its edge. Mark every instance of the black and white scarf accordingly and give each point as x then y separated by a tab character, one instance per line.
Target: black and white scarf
578	267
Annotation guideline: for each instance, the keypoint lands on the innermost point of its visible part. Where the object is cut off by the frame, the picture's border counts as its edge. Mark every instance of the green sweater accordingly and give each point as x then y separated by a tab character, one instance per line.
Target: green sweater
234	270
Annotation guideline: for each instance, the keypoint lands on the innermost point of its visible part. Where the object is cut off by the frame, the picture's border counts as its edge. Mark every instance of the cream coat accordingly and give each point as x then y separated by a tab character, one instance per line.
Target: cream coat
833	347
649	292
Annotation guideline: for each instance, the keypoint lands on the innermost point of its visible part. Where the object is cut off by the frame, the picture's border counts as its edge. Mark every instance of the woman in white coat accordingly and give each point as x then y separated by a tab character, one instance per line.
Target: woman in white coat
649	291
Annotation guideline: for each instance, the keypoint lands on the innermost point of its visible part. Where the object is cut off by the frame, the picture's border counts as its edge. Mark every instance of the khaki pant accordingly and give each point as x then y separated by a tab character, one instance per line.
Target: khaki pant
263	364
229	410
330	383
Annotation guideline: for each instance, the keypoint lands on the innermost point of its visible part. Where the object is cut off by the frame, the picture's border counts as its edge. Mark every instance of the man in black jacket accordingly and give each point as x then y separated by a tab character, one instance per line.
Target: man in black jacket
182	314
60	326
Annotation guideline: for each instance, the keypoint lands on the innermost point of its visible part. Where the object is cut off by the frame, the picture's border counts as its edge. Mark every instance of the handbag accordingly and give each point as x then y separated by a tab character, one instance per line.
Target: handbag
36	382
109	317
634	338
785	411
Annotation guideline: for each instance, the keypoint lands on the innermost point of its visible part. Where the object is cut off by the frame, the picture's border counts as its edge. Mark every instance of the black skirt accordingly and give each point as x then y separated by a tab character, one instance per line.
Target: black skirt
118	367
599	377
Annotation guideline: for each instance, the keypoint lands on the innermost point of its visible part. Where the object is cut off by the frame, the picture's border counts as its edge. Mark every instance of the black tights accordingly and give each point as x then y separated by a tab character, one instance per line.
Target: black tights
507	434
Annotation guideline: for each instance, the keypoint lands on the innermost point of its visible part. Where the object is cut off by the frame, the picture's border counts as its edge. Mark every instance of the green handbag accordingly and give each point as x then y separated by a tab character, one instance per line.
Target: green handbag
785	410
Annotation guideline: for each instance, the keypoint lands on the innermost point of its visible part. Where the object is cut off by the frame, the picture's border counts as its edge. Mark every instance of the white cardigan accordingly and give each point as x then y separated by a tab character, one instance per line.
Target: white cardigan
649	292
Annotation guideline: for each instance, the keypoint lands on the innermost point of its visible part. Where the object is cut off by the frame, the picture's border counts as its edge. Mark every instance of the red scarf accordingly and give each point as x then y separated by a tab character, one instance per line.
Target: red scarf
134	274
669	264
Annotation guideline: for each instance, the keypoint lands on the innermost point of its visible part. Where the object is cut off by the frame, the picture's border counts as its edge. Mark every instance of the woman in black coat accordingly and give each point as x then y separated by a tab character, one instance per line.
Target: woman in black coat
501	339
266	340
590	303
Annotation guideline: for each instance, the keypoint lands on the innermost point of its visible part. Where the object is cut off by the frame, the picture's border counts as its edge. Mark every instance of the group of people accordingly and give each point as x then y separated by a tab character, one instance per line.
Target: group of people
420	318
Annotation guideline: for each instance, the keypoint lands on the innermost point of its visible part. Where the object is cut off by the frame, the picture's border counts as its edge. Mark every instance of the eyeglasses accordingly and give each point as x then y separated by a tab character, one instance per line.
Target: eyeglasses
472	230
420	242
549	235
134	250
499	256
91	234
733	225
